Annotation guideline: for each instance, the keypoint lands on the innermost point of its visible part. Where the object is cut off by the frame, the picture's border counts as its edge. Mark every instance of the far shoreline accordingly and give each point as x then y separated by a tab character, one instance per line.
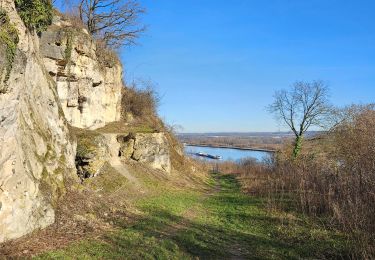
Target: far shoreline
232	147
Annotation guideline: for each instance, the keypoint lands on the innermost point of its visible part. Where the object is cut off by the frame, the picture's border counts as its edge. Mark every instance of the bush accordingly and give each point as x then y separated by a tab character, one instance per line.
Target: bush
36	14
106	56
139	102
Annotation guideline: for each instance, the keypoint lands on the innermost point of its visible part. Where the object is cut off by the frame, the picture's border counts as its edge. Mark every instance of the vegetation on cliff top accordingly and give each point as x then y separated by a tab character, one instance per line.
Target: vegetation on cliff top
8	37
37	14
114	23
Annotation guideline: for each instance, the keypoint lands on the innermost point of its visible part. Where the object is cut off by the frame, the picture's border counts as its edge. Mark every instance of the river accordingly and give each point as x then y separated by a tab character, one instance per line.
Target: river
227	154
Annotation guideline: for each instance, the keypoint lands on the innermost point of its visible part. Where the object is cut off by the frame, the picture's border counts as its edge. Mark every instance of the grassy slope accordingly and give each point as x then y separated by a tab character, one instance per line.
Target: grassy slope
220	223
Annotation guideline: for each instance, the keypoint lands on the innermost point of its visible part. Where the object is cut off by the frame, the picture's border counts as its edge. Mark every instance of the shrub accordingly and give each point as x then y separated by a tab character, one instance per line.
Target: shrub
36	14
140	102
72	17
106	56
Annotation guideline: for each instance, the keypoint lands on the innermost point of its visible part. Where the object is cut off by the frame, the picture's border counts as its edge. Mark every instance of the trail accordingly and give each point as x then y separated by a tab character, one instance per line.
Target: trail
192	213
219	222
120	166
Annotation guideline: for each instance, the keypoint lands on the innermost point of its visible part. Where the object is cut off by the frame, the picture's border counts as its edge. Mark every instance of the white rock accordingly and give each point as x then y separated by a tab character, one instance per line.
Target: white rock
36	151
89	93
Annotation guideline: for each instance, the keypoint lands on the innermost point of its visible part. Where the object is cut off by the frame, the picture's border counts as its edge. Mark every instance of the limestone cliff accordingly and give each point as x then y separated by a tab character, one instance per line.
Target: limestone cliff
47	83
89	86
36	150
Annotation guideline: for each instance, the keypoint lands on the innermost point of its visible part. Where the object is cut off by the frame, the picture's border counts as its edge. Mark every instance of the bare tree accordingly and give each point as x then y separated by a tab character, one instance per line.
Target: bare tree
115	22
305	105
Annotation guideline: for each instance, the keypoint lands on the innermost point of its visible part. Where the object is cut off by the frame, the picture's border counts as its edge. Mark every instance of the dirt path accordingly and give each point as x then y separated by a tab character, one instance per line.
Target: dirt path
120	166
192	213
189	215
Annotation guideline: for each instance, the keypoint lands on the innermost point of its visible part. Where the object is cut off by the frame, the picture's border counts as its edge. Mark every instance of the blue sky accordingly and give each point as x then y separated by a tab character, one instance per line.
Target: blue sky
217	63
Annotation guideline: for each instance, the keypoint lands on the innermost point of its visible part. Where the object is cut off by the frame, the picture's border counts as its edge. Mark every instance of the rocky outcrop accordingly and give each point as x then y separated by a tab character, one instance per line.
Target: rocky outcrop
36	150
149	148
92	154
95	150
89	85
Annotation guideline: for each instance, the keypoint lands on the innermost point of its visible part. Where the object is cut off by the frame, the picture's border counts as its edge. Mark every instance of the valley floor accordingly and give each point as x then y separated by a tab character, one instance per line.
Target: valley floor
219	223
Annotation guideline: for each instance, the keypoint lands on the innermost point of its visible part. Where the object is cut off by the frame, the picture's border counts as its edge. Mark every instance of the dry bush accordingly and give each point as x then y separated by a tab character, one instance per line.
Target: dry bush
353	202
107	57
140	102
73	18
253	176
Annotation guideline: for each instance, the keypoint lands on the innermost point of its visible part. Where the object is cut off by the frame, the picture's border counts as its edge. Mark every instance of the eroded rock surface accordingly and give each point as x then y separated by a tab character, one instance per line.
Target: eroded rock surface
149	148
36	150
89	87
95	150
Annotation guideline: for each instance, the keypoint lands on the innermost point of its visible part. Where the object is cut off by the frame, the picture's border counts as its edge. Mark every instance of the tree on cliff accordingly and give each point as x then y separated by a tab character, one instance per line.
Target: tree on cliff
115	22
304	105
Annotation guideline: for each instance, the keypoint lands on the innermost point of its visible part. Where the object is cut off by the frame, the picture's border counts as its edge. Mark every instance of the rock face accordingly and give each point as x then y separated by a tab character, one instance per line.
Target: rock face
89	85
151	149
36	150
93	151
92	154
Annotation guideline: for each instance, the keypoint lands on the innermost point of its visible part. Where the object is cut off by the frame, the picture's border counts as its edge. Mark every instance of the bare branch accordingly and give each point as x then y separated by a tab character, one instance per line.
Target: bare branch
114	22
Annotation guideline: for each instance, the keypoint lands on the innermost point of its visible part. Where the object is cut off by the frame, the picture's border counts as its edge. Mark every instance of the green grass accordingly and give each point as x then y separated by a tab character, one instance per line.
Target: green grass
221	225
121	128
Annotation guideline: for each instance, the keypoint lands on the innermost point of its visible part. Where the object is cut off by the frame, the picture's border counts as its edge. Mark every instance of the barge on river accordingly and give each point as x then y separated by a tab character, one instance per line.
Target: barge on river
215	157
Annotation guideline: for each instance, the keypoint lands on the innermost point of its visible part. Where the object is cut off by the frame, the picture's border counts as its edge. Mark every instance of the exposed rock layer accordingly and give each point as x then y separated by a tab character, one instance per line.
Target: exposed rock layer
93	151
36	150
89	87
151	149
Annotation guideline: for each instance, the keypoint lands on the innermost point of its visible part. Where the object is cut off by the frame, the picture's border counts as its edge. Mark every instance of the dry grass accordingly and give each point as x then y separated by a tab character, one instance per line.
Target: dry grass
140	100
121	127
82	213
107	57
